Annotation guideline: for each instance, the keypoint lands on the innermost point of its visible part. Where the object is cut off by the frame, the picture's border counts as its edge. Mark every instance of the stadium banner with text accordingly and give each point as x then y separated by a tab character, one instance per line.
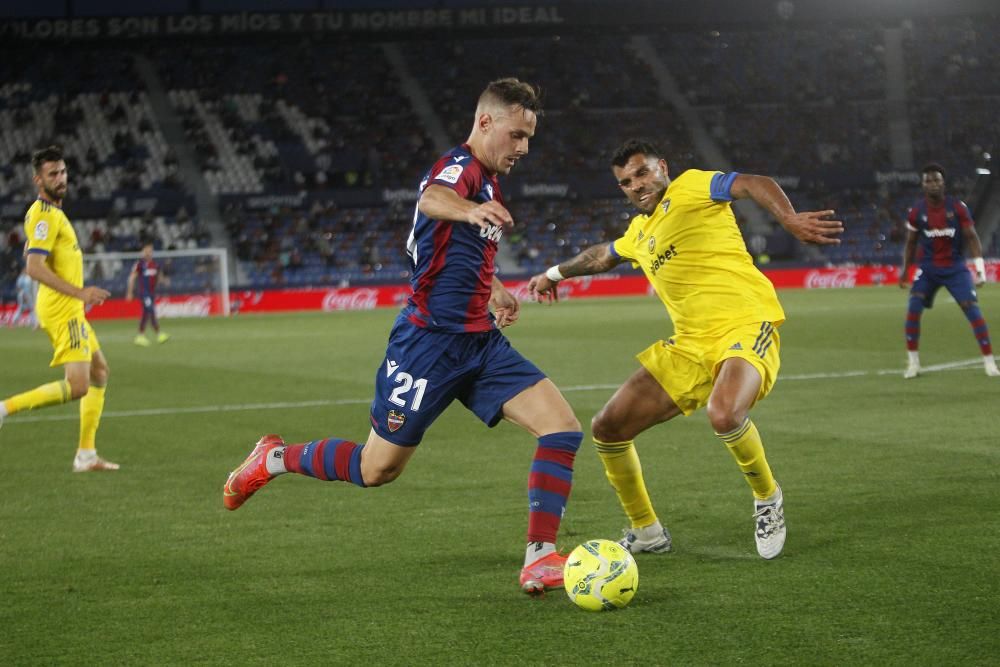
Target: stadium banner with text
148	24
333	299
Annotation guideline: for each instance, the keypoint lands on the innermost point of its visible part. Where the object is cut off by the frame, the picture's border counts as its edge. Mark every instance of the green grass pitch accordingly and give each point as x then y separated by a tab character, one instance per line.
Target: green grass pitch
891	487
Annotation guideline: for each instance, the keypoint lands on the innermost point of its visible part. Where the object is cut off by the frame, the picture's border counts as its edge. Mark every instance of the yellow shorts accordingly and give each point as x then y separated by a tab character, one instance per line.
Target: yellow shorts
686	366
72	340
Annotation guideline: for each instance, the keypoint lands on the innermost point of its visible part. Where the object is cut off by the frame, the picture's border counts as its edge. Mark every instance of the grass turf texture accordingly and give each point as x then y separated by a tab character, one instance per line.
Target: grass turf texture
891	491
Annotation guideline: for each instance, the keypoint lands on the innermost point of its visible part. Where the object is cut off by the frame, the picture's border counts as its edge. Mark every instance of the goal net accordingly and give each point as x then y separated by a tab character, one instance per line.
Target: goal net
197	283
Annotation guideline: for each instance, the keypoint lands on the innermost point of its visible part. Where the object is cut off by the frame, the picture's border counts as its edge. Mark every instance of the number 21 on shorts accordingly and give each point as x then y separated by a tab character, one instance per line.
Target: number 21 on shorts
406	383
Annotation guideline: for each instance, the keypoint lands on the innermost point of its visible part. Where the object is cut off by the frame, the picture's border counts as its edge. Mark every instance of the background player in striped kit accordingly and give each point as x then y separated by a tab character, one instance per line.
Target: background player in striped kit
938	226
447	345
145	275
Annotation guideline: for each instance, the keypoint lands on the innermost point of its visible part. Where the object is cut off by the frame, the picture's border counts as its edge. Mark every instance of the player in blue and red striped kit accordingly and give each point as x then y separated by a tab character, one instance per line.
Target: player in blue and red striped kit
446	343
144	276
938	225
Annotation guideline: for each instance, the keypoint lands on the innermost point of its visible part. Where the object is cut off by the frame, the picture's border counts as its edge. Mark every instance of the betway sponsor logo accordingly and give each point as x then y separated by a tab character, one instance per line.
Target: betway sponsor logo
192	306
906	177
400	194
351	299
826	279
545	190
938	233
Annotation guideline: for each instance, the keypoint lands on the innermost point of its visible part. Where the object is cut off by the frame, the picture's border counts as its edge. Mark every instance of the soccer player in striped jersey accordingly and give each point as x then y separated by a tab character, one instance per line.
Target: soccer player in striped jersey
54	259
723	353
446	343
145	275
938	226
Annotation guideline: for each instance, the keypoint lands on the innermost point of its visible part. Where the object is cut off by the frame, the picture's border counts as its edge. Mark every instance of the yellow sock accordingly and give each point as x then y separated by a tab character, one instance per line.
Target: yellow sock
53	393
621	465
745	446
91	407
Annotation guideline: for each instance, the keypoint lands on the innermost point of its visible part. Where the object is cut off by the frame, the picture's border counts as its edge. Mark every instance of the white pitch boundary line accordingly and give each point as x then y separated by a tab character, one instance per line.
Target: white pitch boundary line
201	409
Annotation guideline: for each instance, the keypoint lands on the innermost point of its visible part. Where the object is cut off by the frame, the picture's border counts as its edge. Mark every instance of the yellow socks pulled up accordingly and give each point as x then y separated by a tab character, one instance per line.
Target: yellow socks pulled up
746	447
53	393
91	407
622	467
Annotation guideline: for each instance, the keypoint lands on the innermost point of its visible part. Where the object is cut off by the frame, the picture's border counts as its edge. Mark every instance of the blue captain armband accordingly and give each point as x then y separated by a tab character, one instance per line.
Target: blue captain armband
721	185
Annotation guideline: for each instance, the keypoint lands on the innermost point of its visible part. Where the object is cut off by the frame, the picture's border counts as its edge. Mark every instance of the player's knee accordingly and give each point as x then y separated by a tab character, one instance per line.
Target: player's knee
78	387
380	475
605	429
724	416
968	305
99	375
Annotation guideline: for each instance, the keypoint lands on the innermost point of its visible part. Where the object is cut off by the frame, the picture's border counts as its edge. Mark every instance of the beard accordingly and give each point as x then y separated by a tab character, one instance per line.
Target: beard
53	194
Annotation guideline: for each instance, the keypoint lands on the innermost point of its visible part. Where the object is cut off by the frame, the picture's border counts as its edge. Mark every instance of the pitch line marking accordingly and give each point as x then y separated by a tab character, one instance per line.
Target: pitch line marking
245	407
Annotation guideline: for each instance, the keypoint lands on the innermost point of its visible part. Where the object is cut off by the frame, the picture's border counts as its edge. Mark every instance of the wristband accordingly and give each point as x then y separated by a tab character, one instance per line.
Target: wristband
555	276
976	261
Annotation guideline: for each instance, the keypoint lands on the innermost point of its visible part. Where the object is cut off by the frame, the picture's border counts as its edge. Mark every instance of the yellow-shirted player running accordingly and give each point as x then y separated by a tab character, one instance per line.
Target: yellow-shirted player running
54	259
724	351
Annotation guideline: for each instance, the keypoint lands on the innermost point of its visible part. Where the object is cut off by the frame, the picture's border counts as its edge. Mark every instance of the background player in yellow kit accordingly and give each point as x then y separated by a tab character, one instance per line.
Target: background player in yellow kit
54	259
724	351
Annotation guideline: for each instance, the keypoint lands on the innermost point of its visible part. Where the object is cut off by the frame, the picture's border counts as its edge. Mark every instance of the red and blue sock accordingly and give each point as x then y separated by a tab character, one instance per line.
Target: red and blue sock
329	459
979	328
550	482
913	312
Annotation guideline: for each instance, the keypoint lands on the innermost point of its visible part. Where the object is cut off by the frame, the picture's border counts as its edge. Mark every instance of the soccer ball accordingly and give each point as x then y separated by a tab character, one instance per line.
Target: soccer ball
599	575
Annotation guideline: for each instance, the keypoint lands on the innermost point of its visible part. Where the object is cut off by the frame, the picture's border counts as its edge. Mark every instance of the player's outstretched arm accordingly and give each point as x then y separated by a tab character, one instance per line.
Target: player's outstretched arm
808	226
441	203
130	288
40	271
595	259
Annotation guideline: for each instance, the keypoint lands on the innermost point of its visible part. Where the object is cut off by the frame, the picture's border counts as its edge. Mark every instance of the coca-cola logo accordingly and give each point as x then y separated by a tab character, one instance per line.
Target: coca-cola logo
351	299
826	279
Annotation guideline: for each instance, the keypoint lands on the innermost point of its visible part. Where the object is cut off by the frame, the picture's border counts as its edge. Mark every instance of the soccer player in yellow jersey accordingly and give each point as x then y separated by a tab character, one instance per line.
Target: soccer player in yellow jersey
724	350
54	259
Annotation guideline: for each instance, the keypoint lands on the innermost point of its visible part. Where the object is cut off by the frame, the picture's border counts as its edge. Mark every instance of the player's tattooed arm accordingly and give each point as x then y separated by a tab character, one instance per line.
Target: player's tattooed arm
595	259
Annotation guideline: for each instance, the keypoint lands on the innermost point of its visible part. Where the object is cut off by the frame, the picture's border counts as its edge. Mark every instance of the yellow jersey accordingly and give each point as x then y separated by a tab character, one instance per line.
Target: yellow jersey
691	250
50	233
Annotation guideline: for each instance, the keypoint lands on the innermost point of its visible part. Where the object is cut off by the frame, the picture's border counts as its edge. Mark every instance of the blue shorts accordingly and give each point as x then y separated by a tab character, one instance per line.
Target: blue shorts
956	279
424	371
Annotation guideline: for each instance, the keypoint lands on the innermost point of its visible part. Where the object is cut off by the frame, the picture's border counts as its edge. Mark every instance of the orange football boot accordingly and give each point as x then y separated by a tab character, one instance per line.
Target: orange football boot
251	475
544	573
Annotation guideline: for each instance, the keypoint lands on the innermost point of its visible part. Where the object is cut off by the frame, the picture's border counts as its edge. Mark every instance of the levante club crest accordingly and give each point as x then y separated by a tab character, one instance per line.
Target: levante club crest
395	420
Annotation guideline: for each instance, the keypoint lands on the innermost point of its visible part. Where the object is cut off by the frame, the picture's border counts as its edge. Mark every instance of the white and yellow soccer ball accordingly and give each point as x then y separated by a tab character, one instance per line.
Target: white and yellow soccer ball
600	575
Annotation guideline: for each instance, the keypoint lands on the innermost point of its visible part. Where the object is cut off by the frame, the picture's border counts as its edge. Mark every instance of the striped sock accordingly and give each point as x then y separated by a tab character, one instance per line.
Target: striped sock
979	328
550	482
912	328
91	408
53	393
623	470
329	459
745	446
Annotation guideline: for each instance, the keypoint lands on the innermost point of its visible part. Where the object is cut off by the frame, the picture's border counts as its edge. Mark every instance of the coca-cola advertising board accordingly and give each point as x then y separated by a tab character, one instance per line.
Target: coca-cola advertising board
394	296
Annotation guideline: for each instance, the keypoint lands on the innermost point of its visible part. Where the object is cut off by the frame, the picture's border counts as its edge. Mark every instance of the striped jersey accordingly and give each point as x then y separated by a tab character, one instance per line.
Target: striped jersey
939	231
453	262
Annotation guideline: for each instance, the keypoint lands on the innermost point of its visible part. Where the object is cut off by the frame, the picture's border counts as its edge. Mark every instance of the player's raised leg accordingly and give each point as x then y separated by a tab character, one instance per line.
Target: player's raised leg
542	411
637	405
373	463
736	388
